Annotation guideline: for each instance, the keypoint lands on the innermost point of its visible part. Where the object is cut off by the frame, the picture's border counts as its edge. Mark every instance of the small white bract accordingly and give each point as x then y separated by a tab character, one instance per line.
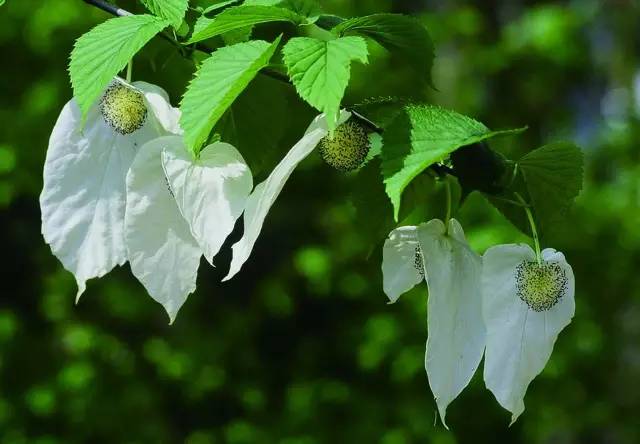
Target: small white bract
264	194
526	305
83	198
456	332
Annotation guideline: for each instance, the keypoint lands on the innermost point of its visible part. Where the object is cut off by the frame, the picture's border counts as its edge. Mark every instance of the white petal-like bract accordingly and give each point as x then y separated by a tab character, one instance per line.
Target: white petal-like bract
402	263
525	306
456	331
83	198
265	194
163	254
211	191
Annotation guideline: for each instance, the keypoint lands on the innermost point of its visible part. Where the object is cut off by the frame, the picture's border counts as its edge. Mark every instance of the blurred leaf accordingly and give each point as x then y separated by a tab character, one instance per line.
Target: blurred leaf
374	214
422	136
240	17
256	123
380	110
172	10
396	32
220	79
320	70
553	174
100	54
477	167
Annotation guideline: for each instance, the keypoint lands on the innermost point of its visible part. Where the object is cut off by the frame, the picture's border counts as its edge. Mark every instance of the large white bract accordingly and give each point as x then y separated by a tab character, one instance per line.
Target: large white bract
266	193
456	333
163	254
83	198
526	305
211	191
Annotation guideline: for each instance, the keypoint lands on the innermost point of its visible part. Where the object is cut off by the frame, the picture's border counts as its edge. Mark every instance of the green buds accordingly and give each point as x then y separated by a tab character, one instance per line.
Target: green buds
123	108
540	286
348	148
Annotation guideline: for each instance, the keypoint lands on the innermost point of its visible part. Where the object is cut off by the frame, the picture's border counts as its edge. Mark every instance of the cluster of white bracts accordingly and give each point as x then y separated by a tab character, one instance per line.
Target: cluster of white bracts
481	305
130	191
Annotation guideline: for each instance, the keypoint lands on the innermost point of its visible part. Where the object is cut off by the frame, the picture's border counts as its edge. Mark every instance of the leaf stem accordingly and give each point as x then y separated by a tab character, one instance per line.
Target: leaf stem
534	231
447	185
129	70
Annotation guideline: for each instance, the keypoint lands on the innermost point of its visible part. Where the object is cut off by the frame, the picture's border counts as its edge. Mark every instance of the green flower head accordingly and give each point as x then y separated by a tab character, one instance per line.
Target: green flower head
348	148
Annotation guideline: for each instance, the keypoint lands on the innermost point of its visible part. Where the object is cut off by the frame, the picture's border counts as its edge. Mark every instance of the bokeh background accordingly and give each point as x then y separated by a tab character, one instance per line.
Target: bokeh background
301	347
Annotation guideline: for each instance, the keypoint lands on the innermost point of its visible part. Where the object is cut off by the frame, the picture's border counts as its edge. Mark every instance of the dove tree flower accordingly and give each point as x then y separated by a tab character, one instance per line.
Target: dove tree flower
440	254
264	195
179	208
528	299
83	198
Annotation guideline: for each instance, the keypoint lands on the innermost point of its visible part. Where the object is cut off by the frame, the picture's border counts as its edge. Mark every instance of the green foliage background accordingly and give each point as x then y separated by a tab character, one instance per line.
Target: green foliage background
301	347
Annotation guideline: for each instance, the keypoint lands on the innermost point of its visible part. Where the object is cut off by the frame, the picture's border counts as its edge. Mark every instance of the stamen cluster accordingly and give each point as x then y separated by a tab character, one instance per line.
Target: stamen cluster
540	286
348	148
123	108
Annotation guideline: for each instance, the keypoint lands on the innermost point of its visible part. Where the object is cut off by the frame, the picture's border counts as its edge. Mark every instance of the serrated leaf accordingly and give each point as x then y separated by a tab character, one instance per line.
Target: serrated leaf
220	79
100	54
172	10
240	17
421	136
553	174
396	32
320	70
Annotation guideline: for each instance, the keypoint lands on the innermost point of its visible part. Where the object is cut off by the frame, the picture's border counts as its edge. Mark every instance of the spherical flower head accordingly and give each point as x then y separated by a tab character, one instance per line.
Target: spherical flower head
540	286
123	108
348	148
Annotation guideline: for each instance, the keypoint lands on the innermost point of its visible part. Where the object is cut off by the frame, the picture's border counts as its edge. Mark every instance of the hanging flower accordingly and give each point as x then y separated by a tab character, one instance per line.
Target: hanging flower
456	334
265	193
527	300
179	208
83	198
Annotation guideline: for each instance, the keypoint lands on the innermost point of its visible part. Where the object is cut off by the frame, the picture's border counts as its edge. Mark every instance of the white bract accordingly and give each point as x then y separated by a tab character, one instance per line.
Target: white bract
83	198
525	306
456	332
163	254
178	208
211	191
264	195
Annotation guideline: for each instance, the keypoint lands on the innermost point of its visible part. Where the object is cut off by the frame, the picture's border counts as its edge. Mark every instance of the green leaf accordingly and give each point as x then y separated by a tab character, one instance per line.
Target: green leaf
240	17
421	136
100	54
220	79
172	10
305	8
396	32
219	5
553	174
320	70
